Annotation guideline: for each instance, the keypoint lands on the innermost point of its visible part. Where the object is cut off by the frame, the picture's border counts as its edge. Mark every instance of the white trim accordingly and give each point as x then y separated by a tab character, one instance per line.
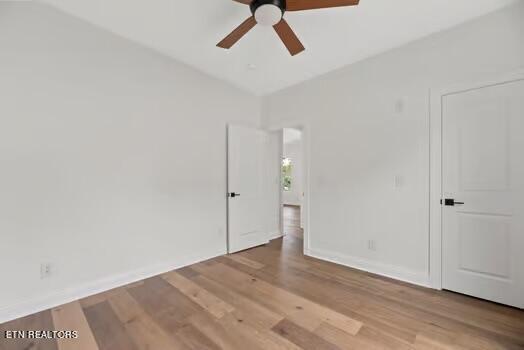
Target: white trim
275	235
280	194
435	227
60	297
305	205
387	270
292	203
435	192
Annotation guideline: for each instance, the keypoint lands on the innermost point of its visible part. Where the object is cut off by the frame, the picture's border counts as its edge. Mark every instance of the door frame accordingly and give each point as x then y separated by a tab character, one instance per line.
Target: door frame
305	208
435	190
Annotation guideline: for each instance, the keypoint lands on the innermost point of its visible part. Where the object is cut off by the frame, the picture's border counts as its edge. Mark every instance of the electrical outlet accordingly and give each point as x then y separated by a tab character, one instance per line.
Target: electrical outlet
372	245
45	270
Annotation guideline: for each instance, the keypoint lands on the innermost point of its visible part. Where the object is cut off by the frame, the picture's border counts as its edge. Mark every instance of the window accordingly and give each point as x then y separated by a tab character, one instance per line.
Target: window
286	174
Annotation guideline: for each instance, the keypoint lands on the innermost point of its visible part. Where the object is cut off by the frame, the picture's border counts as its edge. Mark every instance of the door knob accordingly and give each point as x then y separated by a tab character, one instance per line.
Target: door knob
233	194
450	202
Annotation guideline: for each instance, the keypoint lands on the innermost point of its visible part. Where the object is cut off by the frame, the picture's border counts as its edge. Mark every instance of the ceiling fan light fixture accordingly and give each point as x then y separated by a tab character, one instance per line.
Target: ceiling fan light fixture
271	13
268	15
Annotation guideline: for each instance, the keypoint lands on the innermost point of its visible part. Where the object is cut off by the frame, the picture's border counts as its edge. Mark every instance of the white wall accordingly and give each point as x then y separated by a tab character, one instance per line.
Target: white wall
369	140
112	159
293	151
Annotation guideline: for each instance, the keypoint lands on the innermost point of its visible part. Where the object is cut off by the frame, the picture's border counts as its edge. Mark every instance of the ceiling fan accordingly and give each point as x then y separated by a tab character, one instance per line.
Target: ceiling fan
271	13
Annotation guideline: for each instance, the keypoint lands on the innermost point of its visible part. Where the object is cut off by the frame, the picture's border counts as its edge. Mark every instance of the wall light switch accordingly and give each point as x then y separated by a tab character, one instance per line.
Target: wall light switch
45	270
399	181
400	105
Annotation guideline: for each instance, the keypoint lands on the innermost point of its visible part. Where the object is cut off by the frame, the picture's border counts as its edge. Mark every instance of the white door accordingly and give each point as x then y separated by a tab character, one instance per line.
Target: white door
246	186
483	167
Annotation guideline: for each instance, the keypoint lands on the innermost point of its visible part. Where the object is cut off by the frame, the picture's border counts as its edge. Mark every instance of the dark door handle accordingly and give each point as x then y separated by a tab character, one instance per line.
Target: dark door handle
450	202
233	194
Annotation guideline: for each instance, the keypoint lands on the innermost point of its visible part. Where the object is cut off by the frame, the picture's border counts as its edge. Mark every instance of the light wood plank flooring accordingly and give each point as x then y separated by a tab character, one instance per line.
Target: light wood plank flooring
273	297
291	216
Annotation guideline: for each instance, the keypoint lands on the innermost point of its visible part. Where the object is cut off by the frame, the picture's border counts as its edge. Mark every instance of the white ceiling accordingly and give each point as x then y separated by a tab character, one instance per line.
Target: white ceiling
188	30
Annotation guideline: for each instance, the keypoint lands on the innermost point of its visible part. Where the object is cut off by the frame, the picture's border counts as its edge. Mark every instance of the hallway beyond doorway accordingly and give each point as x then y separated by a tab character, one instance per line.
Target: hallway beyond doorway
291	217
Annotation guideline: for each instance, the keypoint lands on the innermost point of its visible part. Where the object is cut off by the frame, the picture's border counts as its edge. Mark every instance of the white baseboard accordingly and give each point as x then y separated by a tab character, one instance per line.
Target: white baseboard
60	297
386	270
53	299
275	235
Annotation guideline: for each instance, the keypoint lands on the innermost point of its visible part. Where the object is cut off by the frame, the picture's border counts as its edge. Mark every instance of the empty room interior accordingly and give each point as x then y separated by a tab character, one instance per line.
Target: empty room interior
261	174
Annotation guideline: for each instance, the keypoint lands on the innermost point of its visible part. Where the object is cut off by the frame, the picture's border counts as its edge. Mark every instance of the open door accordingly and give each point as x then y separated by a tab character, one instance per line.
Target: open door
246	185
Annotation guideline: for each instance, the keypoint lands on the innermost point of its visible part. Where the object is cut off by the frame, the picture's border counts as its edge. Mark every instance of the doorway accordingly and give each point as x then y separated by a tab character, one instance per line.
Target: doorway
267	182
292	183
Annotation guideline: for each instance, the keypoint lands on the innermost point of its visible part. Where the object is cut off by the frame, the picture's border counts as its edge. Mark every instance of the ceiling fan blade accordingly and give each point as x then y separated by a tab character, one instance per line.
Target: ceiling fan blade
288	37
299	5
238	33
245	2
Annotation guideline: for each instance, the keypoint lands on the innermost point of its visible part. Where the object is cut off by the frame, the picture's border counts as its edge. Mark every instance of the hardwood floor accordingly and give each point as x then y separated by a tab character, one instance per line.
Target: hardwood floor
291	216
273	297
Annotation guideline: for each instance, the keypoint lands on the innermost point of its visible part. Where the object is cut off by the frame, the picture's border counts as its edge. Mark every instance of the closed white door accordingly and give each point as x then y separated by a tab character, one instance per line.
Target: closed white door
246	186
483	193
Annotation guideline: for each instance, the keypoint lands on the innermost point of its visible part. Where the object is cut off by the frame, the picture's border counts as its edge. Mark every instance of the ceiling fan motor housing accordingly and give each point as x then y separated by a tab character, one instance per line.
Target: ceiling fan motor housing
255	4
268	10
